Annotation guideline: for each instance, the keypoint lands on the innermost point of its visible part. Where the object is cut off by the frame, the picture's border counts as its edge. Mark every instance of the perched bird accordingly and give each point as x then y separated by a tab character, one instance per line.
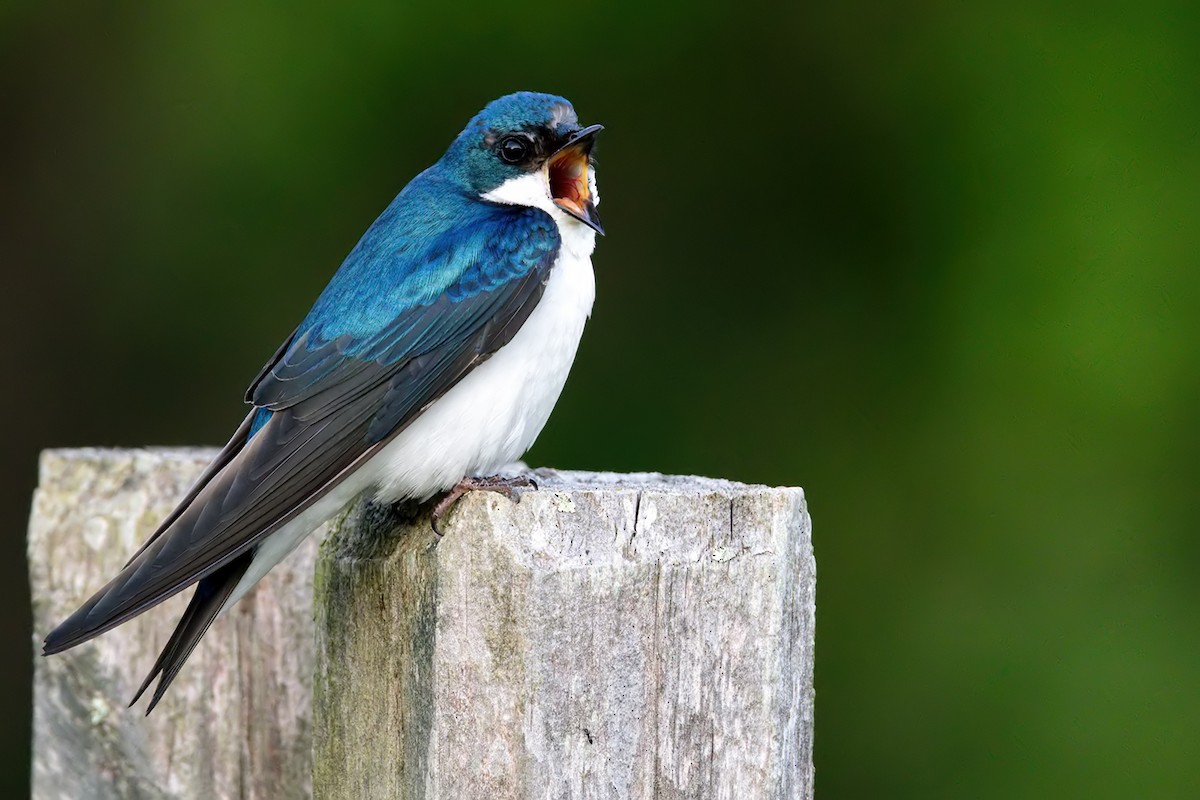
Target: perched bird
433	358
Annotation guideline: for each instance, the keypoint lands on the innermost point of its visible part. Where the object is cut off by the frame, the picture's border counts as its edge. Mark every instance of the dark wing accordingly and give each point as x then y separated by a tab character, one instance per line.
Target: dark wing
424	376
332	398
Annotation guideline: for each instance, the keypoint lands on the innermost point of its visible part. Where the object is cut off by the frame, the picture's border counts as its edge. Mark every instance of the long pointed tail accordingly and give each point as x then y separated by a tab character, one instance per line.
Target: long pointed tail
207	601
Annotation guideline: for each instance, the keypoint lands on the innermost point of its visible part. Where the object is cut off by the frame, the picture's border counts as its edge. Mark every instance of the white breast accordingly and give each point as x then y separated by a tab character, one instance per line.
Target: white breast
494	414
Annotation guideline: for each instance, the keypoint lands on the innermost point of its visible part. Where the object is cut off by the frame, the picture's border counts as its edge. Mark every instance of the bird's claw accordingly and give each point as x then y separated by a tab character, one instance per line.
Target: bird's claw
500	484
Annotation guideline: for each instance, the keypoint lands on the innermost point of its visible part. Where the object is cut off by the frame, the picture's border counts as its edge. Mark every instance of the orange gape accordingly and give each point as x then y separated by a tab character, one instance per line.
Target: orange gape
568	177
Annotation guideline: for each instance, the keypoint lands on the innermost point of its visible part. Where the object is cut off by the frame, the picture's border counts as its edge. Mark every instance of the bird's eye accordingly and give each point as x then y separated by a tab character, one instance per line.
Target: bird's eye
513	149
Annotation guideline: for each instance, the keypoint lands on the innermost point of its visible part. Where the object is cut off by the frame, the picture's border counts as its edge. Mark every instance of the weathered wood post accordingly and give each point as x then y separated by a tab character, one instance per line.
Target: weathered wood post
236	722
618	636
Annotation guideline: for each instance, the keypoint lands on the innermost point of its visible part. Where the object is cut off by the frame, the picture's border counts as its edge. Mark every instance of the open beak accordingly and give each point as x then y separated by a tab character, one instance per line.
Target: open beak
568	169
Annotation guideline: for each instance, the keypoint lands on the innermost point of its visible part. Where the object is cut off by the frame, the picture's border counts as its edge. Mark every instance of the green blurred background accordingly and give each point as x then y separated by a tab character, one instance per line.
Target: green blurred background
934	262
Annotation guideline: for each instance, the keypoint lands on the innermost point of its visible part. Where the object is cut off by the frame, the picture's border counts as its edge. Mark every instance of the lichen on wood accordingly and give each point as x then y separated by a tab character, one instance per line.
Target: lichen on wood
236	722
607	636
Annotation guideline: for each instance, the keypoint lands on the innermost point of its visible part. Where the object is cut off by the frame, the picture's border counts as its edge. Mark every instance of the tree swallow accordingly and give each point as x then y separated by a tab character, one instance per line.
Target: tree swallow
433	357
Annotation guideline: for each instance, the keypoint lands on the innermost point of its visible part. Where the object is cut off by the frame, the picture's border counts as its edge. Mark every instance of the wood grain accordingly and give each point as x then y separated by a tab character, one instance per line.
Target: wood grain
236	722
609	636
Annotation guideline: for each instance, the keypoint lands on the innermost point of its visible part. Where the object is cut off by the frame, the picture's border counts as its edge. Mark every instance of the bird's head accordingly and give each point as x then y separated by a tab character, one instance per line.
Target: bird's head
529	149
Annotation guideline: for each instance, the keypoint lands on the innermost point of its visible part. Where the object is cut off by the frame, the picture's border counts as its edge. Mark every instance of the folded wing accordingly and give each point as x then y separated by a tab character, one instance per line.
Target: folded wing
406	317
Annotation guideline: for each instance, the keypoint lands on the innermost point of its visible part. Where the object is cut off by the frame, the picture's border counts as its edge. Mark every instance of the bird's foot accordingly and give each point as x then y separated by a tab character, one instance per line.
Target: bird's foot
500	484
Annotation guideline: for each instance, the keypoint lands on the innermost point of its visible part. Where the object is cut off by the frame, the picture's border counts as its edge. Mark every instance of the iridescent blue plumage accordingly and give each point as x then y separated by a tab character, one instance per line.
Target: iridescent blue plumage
404	260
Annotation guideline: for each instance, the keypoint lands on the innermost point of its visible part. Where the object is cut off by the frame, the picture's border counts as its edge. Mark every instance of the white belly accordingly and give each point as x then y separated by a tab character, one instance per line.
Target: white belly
494	414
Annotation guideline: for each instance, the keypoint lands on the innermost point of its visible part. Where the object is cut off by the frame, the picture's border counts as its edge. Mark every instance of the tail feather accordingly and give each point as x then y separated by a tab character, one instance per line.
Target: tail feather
207	601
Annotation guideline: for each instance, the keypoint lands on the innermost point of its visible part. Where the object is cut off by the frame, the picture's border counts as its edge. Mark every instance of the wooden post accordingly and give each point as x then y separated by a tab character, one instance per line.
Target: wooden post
236	722
625	636
616	636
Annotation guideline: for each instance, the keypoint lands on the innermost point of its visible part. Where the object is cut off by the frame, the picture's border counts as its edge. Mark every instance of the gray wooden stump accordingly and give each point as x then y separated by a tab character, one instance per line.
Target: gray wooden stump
236	722
616	636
